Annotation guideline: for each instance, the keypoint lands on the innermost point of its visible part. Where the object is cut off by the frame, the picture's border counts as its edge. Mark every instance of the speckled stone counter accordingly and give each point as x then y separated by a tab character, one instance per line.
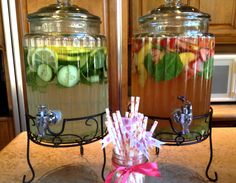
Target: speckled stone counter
182	164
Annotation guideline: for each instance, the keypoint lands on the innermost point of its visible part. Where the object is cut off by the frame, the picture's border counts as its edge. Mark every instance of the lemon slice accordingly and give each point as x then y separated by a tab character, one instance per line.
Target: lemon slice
187	57
70	50
44	56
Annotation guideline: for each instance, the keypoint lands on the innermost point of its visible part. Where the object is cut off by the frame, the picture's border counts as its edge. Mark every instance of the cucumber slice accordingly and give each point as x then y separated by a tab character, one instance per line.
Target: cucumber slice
94	79
83	60
98	57
45	72
68	76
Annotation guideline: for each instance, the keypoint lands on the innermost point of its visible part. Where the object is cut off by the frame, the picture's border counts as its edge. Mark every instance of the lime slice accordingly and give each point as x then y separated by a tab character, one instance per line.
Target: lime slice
44	56
29	59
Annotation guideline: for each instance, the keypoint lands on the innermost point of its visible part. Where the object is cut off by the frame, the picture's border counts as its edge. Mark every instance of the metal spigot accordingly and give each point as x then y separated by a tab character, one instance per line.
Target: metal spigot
46	117
184	115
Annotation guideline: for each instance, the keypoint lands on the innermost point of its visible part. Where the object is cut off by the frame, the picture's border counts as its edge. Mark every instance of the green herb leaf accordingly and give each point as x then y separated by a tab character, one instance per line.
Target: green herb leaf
169	67
208	68
148	63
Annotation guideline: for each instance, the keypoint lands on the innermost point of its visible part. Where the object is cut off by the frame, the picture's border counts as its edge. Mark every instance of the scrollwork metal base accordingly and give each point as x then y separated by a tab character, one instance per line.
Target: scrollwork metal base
180	138
61	140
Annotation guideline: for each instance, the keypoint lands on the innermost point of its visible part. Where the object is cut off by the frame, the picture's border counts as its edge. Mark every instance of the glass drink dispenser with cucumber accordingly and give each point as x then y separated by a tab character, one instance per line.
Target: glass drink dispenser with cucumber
66	74
172	65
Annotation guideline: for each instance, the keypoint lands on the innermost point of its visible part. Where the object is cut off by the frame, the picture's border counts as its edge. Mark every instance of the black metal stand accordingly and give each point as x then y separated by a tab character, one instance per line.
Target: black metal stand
60	139
181	140
211	153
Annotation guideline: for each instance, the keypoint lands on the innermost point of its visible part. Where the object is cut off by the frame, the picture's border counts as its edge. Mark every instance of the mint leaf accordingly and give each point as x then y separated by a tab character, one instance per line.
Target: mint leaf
169	67
148	63
208	68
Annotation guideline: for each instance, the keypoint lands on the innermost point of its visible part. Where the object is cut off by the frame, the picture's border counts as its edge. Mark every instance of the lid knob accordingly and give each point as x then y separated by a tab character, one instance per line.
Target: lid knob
63	2
173	2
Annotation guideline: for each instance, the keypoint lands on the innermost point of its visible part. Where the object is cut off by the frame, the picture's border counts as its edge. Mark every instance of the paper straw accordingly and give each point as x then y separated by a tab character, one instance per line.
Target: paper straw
153	127
132	106
145	121
113	133
136	107
126	114
118	130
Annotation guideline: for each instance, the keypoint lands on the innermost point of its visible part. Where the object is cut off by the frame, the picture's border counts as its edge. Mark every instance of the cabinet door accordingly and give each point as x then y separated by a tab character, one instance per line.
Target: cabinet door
6	131
95	7
223	15
223	22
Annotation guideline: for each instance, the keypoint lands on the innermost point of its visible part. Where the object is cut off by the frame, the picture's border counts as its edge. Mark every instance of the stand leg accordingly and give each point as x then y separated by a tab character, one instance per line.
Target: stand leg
103	150
157	151
81	150
28	161
104	164
211	154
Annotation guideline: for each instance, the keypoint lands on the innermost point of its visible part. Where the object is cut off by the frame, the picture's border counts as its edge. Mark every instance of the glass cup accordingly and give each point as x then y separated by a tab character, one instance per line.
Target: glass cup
127	162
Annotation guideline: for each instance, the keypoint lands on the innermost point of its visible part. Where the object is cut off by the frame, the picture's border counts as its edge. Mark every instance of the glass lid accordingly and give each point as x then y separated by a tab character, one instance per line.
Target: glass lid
175	10
63	10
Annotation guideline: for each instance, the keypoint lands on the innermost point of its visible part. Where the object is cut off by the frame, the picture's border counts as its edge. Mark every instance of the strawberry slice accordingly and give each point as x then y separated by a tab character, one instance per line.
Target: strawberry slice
192	41
204	53
157	55
172	43
163	43
137	45
194	67
186	45
205	42
211	52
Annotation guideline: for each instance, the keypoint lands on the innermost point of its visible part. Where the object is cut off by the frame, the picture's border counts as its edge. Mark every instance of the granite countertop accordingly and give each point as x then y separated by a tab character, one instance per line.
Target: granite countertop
183	164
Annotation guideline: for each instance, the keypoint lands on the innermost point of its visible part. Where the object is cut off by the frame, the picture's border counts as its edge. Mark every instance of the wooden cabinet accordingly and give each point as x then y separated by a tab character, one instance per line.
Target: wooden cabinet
223	15
6	131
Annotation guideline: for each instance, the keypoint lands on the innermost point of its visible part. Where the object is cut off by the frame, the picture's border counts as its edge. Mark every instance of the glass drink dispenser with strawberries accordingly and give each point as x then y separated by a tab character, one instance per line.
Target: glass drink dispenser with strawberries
66	75
172	65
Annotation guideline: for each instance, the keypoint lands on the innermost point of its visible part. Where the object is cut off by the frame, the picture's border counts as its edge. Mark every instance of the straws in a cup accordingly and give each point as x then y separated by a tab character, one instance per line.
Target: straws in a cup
129	134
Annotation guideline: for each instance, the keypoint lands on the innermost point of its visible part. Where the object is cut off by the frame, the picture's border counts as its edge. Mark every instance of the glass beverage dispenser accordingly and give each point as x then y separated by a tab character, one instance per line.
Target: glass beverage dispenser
172	64
66	73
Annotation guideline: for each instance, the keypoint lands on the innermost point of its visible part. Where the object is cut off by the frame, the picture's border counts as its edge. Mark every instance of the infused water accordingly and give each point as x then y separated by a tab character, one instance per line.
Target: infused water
70	79
164	68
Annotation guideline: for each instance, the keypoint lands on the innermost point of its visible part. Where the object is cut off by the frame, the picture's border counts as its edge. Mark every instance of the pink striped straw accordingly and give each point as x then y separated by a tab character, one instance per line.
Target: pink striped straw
153	127
136	106
132	106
